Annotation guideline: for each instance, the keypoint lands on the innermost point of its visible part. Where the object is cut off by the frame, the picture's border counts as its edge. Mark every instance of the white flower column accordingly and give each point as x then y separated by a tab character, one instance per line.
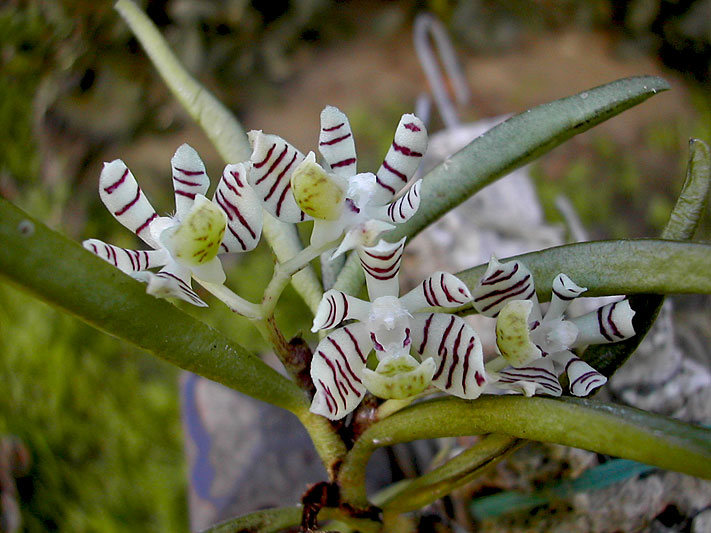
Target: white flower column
341	201
186	244
413	348
536	346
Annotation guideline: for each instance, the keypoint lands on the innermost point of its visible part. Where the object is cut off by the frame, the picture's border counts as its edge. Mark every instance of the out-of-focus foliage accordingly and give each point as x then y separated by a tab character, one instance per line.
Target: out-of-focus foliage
100	420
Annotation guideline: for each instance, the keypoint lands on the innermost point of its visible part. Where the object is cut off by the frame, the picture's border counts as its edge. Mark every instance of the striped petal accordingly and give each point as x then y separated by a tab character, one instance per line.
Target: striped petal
456	351
399	377
582	377
337	306
402	209
122	196
240	204
441	289
364	234
402	159
610	323
503	283
536	378
336	142
564	292
337	370
273	161
381	264
128	261
189	178
173	281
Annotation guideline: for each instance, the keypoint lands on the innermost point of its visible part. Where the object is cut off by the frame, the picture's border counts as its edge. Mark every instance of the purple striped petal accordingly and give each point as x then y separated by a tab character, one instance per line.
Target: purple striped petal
536	378
402	209
337	371
128	261
441	289
402	159
189	178
273	161
173	281
582	377
456	350
123	197
241	206
609	323
503	283
336	142
564	291
364	234
337	306
381	264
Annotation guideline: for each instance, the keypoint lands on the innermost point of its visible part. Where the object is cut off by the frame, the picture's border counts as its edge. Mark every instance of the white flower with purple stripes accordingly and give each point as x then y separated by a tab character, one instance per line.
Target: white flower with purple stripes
535	347
413	348
187	243
294	187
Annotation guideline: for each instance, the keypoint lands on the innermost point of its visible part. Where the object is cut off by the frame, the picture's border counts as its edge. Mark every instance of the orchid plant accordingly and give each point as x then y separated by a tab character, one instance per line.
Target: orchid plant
414	356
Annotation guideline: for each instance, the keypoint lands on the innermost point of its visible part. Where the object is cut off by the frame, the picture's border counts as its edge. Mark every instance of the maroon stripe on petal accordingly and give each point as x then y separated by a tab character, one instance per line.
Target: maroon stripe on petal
404	150
601	325
412	127
129	204
330	400
395	171
333	128
186	182
236	236
344	162
384	185
335	140
190	195
190	172
345	360
280	176
146	223
426	333
115	185
355	344
455	357
264	162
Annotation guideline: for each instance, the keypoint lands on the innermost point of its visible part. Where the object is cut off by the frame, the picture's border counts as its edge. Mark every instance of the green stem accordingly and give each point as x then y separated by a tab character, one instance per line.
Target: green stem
455	473
600	427
235	302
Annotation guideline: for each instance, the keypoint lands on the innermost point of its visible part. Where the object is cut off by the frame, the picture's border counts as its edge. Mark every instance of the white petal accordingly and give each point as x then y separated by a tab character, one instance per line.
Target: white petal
402	159
456	351
128	261
173	281
273	161
441	289
189	178
564	291
337	306
363	234
242	208
381	264
502	283
406	206
582	377
337	371
610	323
122	196
325	231
538	377
336	142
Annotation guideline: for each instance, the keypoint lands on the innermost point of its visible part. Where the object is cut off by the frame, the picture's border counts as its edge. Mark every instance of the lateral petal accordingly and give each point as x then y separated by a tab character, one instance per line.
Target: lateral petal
336	142
273	161
173	281
189	178
565	290
128	261
402	209
123	197
503	283
402	159
441	289
337	306
337	370
583	378
241	205
609	323
456	351
535	378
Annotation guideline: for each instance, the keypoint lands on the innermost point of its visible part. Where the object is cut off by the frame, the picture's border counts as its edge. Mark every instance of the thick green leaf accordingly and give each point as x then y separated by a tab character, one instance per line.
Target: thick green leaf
618	267
60	272
600	427
511	144
266	521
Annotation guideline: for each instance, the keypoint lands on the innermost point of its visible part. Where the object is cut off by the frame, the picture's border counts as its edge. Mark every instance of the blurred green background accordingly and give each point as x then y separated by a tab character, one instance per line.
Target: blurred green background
100	419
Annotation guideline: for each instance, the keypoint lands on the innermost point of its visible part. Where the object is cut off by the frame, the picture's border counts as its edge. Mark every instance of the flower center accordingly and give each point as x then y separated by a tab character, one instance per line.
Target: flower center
389	326
196	239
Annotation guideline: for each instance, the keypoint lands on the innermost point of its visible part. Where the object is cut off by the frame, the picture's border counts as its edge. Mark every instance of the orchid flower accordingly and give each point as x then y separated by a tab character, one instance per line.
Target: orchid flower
414	348
537	347
294	188
186	244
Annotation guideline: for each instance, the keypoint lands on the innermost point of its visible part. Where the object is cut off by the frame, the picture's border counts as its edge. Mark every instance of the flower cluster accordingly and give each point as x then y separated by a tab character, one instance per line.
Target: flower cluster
392	346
